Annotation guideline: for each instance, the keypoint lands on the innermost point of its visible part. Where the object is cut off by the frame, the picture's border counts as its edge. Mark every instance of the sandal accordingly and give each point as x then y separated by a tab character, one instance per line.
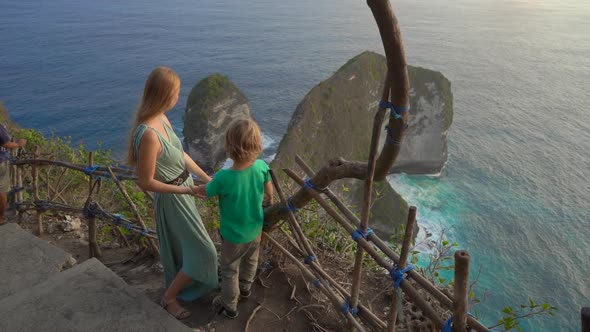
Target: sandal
180	314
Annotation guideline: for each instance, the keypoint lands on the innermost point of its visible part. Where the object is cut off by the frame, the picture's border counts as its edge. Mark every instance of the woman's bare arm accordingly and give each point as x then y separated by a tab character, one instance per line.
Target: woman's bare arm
149	149
192	166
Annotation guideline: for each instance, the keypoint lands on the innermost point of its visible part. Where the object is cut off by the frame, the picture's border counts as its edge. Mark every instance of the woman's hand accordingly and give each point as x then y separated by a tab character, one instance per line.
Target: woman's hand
199	191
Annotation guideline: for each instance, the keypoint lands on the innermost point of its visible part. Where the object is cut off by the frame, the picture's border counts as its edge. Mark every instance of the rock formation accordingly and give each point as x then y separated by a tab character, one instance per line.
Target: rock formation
213	104
335	120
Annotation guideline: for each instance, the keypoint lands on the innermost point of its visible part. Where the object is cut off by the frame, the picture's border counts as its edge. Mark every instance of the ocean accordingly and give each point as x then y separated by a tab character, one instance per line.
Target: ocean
516	189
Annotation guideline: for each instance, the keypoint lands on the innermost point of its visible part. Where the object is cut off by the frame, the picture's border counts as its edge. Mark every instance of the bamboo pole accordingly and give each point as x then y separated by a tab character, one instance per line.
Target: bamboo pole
122	173
151	243
57	183
54	208
460	291
295	228
12	168
364	312
13	182
57	195
19	184
336	300
93	248
386	249
367	194
147	193
406	287
408	236
39	213
122	236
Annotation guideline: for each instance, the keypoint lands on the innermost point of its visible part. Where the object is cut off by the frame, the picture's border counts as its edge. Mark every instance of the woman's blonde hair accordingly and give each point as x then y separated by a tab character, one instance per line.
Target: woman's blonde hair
243	141
159	92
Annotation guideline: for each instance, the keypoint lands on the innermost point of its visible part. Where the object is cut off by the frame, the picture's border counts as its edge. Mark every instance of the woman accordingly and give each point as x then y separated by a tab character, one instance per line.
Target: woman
186	251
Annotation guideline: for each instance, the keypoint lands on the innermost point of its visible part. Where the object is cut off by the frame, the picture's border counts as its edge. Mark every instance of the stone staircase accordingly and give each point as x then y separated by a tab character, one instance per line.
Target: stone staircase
43	289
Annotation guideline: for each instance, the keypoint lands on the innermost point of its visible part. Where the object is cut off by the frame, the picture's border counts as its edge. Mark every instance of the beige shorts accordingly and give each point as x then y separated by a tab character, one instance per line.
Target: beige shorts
4	177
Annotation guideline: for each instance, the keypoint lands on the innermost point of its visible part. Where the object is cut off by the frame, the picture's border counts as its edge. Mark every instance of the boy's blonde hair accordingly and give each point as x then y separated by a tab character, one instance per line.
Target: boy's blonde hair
243	141
159	92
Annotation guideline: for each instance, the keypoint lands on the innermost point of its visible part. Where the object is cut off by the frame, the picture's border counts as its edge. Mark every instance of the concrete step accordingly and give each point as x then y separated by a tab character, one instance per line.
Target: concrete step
26	260
87	297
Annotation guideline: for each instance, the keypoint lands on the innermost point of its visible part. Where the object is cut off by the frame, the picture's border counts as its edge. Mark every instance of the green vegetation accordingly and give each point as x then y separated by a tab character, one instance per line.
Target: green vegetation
71	185
208	90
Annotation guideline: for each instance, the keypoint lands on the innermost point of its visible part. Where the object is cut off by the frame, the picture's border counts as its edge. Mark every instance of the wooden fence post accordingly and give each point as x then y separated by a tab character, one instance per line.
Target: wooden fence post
19	184
402	264
407	287
460	291
93	248
36	188
384	247
13	182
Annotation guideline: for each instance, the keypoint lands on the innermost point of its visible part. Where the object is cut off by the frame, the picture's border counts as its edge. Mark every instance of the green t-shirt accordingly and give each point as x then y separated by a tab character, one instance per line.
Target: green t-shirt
241	193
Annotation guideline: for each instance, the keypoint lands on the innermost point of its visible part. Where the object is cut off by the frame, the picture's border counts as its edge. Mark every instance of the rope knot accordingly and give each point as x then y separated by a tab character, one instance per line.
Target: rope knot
346	308
309	259
118	219
396	111
448	327
89	170
398	275
290	207
310	185
359	233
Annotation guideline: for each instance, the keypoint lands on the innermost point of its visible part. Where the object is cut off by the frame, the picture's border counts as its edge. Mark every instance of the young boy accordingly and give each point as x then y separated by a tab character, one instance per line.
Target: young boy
242	191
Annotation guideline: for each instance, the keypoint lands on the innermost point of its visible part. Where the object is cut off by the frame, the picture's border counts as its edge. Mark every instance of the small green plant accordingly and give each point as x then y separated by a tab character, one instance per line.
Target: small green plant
512	316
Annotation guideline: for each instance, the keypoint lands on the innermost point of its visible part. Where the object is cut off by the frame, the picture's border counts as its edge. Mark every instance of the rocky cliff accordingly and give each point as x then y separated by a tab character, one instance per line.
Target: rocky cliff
213	104
335	120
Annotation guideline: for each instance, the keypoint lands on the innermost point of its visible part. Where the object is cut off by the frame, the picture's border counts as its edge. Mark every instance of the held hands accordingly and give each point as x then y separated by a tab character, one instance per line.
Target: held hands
198	191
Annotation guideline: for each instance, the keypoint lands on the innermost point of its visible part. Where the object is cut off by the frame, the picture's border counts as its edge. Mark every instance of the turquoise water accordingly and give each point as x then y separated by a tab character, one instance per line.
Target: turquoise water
516	188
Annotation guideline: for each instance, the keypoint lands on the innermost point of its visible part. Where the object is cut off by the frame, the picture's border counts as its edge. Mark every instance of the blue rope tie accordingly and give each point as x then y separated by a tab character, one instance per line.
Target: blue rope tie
290	207
316	282
346	308
359	233
310	185
42	205
398	275
118	219
309	259
89	213
128	227
16	190
89	170
448	327
396	111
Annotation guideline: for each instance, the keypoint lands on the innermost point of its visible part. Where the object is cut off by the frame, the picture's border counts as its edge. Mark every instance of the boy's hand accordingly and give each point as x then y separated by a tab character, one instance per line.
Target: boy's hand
267	201
199	191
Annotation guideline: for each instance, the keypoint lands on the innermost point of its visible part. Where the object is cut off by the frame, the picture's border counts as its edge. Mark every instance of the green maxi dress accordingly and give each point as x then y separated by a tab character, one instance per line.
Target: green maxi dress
184	242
